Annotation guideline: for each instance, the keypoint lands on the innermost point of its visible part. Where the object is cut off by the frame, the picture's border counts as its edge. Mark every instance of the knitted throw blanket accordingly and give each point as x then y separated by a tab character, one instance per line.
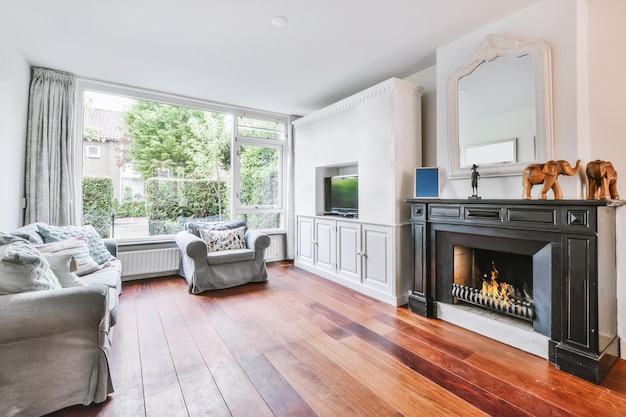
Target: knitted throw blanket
19	251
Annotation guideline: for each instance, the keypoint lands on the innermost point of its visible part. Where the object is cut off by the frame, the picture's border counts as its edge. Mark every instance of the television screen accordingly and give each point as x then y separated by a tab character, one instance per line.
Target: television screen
343	194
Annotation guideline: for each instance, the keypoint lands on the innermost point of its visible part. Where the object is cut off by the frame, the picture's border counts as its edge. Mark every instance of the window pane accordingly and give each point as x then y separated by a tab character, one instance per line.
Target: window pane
263	220
259	176
93	152
166	165
259	128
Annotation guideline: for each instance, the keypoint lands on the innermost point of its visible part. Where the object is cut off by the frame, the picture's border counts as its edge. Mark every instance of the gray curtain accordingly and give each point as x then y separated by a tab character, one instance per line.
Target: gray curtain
50	182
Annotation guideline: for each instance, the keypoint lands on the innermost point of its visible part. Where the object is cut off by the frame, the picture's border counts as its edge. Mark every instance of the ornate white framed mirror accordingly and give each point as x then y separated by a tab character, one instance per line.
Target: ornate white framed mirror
500	108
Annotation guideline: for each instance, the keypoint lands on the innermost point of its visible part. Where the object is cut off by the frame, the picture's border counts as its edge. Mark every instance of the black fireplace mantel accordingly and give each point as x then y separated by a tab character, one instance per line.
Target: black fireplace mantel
580	316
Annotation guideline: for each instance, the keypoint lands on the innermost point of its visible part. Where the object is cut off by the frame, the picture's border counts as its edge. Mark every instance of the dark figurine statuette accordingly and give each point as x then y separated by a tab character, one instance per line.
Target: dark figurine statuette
475	177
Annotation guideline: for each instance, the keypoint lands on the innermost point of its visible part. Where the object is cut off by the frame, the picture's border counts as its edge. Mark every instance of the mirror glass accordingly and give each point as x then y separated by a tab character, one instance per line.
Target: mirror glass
500	108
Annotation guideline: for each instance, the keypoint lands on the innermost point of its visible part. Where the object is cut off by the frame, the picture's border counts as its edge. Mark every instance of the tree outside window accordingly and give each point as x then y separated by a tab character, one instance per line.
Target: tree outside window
169	163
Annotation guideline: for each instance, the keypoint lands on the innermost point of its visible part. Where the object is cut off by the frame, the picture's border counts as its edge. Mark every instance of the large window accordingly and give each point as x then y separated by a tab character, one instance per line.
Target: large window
163	161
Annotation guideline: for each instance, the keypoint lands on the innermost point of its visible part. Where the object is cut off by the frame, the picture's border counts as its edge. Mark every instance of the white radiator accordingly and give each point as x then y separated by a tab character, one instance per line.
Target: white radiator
270	252
276	249
149	262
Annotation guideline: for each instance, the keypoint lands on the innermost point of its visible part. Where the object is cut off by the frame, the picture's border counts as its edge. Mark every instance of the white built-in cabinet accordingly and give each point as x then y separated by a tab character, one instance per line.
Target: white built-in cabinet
364	254
316	243
375	134
357	255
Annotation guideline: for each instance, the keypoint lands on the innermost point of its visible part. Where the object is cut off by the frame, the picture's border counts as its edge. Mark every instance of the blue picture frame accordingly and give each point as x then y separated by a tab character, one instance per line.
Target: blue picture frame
426	182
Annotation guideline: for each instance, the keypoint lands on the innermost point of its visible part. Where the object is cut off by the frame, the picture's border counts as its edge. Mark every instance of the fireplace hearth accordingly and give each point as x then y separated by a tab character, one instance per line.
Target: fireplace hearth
548	263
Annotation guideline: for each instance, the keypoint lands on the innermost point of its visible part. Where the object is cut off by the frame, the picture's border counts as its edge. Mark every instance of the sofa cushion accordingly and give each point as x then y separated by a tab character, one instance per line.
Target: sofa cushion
30	232
193	227
22	268
75	246
97	249
223	240
109	275
224	257
64	267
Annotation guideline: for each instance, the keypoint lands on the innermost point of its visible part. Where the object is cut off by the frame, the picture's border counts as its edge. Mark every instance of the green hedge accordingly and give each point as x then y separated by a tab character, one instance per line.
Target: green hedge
98	203
171	199
131	205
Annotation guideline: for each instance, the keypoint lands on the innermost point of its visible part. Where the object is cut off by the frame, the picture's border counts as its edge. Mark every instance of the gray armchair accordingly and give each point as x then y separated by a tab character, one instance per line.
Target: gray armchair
206	270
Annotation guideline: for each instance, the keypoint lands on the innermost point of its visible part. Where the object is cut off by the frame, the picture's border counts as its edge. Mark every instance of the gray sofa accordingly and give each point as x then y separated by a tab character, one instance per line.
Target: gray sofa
205	270
55	344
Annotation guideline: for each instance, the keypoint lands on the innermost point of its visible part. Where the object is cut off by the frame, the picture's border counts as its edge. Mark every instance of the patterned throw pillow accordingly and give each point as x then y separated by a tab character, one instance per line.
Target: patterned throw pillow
221	240
97	249
75	246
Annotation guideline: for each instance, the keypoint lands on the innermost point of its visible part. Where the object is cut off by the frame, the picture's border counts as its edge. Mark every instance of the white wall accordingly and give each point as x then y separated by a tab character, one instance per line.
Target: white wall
607	90
536	22
14	84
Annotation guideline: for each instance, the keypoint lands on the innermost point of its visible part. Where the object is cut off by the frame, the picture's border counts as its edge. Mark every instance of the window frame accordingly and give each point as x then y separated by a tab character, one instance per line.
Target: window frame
280	145
83	84
96	155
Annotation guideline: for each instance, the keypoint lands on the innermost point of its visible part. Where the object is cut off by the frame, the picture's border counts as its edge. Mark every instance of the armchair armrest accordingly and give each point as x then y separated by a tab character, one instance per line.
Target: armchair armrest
111	245
38	314
191	245
257	241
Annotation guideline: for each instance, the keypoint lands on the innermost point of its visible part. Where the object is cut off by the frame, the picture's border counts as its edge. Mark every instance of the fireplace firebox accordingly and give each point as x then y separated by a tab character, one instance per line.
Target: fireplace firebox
494	280
550	263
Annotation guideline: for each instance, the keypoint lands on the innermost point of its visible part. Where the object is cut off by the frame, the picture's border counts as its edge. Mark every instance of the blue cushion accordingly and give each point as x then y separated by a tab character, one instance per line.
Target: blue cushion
97	249
226	225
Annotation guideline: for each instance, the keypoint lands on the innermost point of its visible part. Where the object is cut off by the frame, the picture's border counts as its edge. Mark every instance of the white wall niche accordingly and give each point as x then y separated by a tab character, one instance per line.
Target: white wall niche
321	173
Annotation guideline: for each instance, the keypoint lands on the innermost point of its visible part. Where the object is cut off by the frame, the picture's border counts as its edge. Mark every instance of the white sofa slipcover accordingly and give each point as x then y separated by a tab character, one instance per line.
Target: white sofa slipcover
55	344
206	270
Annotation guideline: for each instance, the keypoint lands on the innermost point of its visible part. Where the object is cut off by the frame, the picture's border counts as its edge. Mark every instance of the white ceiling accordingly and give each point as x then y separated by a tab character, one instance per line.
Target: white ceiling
228	51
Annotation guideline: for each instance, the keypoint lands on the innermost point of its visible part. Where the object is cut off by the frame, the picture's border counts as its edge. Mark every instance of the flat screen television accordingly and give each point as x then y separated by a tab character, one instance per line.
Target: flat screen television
342	195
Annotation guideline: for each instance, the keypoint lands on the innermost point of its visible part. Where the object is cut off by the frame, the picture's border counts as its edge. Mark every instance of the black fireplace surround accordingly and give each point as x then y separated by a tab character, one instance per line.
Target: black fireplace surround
572	245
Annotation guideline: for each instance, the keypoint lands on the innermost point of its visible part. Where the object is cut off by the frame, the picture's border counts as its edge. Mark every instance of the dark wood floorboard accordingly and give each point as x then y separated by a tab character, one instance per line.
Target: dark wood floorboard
300	345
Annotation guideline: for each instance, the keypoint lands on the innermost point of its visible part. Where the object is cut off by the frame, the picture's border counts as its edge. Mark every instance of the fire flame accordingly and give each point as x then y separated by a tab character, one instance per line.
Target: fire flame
499	291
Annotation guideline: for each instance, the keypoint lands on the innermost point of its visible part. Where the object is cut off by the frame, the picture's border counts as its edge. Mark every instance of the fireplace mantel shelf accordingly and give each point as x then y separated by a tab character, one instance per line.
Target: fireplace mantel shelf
572	244
494	201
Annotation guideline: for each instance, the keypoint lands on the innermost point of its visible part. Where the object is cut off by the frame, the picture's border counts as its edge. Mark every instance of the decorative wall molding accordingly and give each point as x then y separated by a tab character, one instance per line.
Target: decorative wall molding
394	84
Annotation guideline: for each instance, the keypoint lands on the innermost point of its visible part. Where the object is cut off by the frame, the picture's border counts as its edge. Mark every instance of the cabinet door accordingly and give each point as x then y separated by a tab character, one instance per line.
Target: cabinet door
305	240
348	251
377	256
324	254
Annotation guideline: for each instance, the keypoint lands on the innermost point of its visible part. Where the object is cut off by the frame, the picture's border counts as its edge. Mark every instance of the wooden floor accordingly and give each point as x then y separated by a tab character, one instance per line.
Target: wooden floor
300	345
